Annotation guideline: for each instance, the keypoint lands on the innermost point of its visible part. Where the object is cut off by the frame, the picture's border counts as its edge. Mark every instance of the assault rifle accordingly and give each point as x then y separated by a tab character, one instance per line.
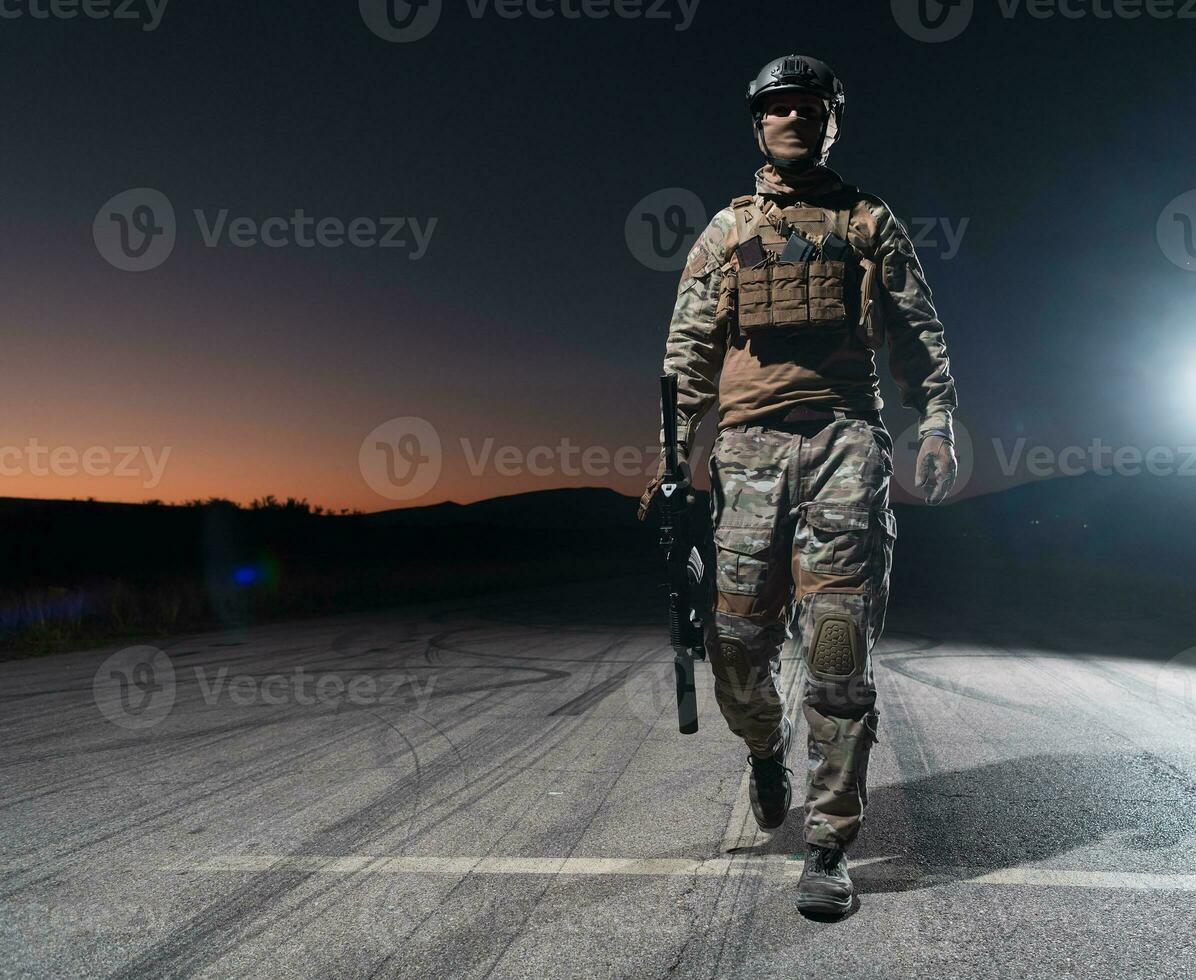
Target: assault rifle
689	587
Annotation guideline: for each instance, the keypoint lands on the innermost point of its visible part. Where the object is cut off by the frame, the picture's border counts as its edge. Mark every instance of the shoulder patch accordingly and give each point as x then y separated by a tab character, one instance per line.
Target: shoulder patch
700	261
711	249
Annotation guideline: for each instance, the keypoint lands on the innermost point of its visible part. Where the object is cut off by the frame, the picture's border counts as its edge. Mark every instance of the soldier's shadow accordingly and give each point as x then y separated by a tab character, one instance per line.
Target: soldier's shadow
955	826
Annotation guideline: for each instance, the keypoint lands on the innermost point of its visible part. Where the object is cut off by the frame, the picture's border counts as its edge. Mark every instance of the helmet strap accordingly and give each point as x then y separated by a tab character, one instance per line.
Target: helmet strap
826	124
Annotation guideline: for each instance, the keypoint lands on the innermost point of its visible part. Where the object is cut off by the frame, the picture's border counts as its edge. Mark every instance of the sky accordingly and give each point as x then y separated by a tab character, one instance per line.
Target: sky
509	335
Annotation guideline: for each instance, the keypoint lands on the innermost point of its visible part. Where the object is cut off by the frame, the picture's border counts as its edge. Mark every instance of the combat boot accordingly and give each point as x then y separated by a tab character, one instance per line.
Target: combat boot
825	886
769	786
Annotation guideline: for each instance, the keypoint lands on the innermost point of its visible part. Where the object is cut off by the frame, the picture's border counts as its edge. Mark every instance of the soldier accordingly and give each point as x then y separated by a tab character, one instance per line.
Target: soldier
785	300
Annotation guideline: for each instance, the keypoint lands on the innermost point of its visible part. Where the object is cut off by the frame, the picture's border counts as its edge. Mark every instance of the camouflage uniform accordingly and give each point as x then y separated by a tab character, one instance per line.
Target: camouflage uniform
803	531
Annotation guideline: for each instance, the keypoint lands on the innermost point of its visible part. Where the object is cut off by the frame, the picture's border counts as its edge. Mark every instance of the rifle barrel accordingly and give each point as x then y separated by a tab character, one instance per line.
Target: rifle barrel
668	419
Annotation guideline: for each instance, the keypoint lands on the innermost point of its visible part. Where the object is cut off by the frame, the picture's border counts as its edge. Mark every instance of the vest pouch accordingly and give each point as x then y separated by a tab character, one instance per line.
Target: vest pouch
828	293
791	294
754	288
772	295
821	292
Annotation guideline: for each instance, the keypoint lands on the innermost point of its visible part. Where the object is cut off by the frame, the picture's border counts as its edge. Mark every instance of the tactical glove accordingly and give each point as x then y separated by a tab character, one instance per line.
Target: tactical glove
934	473
654	484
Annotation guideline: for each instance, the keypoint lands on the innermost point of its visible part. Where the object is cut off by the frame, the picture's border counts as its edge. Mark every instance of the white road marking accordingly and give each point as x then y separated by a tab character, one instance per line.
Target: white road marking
674	867
585	866
1048	878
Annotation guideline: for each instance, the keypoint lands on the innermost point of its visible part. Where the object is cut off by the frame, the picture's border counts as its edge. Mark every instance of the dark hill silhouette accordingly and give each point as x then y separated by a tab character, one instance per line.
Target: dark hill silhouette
595	507
146	567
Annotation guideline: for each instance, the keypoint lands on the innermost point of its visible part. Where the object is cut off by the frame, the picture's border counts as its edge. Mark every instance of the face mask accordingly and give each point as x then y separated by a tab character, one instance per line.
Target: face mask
792	140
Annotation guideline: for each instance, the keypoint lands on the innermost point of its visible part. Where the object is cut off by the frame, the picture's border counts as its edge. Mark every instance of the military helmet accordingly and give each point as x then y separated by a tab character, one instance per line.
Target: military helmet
801	73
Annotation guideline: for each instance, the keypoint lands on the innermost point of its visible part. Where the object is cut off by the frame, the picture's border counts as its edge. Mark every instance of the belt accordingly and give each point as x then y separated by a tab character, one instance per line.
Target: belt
803	414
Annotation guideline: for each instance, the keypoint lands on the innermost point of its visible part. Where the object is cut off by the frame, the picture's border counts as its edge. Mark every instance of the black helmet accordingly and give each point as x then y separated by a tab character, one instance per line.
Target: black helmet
800	73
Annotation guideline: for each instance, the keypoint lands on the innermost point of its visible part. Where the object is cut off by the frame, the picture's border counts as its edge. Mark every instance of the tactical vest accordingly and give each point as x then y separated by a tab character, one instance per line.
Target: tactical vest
818	292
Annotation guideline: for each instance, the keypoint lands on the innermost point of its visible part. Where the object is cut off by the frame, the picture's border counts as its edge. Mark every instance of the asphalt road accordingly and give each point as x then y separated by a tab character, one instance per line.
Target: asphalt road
496	788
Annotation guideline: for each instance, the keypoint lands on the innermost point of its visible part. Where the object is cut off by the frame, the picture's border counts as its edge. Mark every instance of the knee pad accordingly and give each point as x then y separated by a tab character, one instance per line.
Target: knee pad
740	660
835	652
732	651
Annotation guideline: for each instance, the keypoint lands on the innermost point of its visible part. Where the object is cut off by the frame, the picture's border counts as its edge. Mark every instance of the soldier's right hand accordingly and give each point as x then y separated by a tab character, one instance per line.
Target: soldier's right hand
654	484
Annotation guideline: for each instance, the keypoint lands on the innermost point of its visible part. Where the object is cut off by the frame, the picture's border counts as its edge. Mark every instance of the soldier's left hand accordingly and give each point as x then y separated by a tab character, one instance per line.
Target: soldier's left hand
936	468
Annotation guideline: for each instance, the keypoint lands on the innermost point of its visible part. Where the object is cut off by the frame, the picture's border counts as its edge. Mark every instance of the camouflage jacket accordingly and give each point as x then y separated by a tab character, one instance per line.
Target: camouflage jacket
712	360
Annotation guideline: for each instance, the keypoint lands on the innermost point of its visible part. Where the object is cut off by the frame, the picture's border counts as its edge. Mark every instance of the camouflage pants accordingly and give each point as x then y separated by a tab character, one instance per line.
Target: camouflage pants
804	544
